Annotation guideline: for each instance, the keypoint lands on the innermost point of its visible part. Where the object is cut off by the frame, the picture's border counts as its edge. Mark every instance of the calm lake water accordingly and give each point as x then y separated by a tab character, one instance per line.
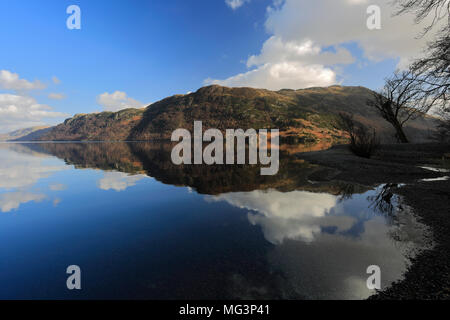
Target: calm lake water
140	227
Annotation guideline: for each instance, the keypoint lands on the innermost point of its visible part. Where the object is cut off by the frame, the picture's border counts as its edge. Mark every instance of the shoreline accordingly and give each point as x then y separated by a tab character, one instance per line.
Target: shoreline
428	275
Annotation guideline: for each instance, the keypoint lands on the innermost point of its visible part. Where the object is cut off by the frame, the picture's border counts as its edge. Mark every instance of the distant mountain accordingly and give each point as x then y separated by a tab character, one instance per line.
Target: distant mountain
303	116
104	126
28	134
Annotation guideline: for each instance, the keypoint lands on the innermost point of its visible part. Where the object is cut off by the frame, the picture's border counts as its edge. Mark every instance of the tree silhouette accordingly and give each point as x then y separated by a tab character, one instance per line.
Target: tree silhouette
435	66
401	99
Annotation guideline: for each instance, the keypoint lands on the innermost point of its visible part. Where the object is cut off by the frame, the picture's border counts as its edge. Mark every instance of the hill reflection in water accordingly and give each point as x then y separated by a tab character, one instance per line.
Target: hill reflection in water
141	227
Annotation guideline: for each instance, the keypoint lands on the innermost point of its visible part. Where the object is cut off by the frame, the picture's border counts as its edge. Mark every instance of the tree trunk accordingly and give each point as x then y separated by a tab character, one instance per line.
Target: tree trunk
400	134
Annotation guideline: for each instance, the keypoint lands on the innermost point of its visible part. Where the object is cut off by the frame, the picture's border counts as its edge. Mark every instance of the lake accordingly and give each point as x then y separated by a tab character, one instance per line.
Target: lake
140	227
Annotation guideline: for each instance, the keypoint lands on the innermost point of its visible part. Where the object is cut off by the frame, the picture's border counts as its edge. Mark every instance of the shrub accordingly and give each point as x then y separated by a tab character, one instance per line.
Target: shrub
363	141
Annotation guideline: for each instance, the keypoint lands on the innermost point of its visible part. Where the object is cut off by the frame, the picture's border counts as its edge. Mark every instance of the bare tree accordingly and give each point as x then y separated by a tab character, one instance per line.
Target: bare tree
363	141
402	99
434	68
440	9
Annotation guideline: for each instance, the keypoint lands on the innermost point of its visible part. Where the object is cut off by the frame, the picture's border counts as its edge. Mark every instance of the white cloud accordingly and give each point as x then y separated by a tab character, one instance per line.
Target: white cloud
118	181
234	4
19	111
19	169
56	96
336	22
315	234
275	50
294	56
292	64
12	81
117	101
12	200
293	215
278	76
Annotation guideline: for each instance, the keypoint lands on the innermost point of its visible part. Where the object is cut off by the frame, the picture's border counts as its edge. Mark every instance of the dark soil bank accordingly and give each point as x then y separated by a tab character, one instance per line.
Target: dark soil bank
428	277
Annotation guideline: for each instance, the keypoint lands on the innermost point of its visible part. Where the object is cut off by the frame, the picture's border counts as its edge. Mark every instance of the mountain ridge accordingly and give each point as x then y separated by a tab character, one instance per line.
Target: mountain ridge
29	132
304	115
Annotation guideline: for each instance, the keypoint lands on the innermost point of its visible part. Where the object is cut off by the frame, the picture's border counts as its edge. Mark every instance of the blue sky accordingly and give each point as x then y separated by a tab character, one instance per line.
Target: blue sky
148	50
